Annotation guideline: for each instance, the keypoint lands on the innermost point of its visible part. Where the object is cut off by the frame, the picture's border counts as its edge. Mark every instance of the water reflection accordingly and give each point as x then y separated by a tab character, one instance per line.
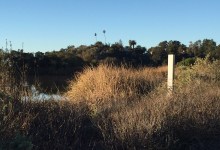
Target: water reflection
46	87
50	84
36	95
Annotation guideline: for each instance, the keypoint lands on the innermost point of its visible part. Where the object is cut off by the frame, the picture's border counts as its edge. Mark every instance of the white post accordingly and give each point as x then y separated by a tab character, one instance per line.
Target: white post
171	62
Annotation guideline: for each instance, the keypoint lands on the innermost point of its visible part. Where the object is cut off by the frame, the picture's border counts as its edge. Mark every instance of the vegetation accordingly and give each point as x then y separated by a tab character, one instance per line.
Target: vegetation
70	60
116	107
97	86
187	119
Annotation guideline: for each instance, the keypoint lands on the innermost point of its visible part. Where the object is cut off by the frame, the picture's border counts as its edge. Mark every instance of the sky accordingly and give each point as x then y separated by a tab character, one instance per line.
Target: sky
46	25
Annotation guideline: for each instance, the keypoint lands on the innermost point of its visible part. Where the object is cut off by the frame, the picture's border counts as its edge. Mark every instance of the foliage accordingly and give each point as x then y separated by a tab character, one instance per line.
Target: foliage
187	62
127	118
68	61
115	107
203	69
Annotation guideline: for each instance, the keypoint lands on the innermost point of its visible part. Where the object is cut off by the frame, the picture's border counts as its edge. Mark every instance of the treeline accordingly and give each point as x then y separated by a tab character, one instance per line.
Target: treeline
72	59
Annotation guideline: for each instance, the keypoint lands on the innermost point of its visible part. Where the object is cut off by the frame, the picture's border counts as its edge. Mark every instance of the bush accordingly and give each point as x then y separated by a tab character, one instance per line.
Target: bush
187	62
108	85
203	70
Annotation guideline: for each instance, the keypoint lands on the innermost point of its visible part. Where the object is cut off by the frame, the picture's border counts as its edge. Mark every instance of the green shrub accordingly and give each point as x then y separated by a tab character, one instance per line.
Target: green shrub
187	62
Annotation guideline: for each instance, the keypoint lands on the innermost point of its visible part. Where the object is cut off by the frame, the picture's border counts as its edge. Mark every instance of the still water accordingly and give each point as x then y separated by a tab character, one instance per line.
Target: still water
50	84
47	87
37	95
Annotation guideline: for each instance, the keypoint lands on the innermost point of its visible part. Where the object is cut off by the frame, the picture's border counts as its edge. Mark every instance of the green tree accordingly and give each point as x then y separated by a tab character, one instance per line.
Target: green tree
217	52
139	50
208	46
158	55
194	49
172	47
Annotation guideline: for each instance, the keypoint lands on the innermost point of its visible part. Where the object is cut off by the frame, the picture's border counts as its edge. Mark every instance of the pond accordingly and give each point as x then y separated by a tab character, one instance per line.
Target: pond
50	84
37	95
47	87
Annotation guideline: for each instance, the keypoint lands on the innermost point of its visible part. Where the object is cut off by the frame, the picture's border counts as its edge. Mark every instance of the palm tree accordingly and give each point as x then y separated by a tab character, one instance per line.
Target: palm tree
132	43
96	37
104	35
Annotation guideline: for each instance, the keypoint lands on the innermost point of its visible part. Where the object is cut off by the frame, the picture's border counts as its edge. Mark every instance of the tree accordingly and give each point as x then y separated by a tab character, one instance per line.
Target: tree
96	37
172	47
163	45
132	43
158	55
140	50
39	55
99	44
194	49
104	35
208	46
217	52
116	47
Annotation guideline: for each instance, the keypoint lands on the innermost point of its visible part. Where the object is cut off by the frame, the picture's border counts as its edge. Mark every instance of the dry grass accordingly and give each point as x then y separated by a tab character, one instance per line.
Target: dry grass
45	125
130	118
117	100
167	121
97	86
124	108
12	80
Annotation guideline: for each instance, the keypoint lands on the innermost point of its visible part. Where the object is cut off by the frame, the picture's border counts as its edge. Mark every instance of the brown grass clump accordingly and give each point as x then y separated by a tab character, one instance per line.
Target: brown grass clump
109	83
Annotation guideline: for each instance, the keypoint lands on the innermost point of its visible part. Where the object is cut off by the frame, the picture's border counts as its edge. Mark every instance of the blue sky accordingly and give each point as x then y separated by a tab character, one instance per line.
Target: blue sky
46	25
